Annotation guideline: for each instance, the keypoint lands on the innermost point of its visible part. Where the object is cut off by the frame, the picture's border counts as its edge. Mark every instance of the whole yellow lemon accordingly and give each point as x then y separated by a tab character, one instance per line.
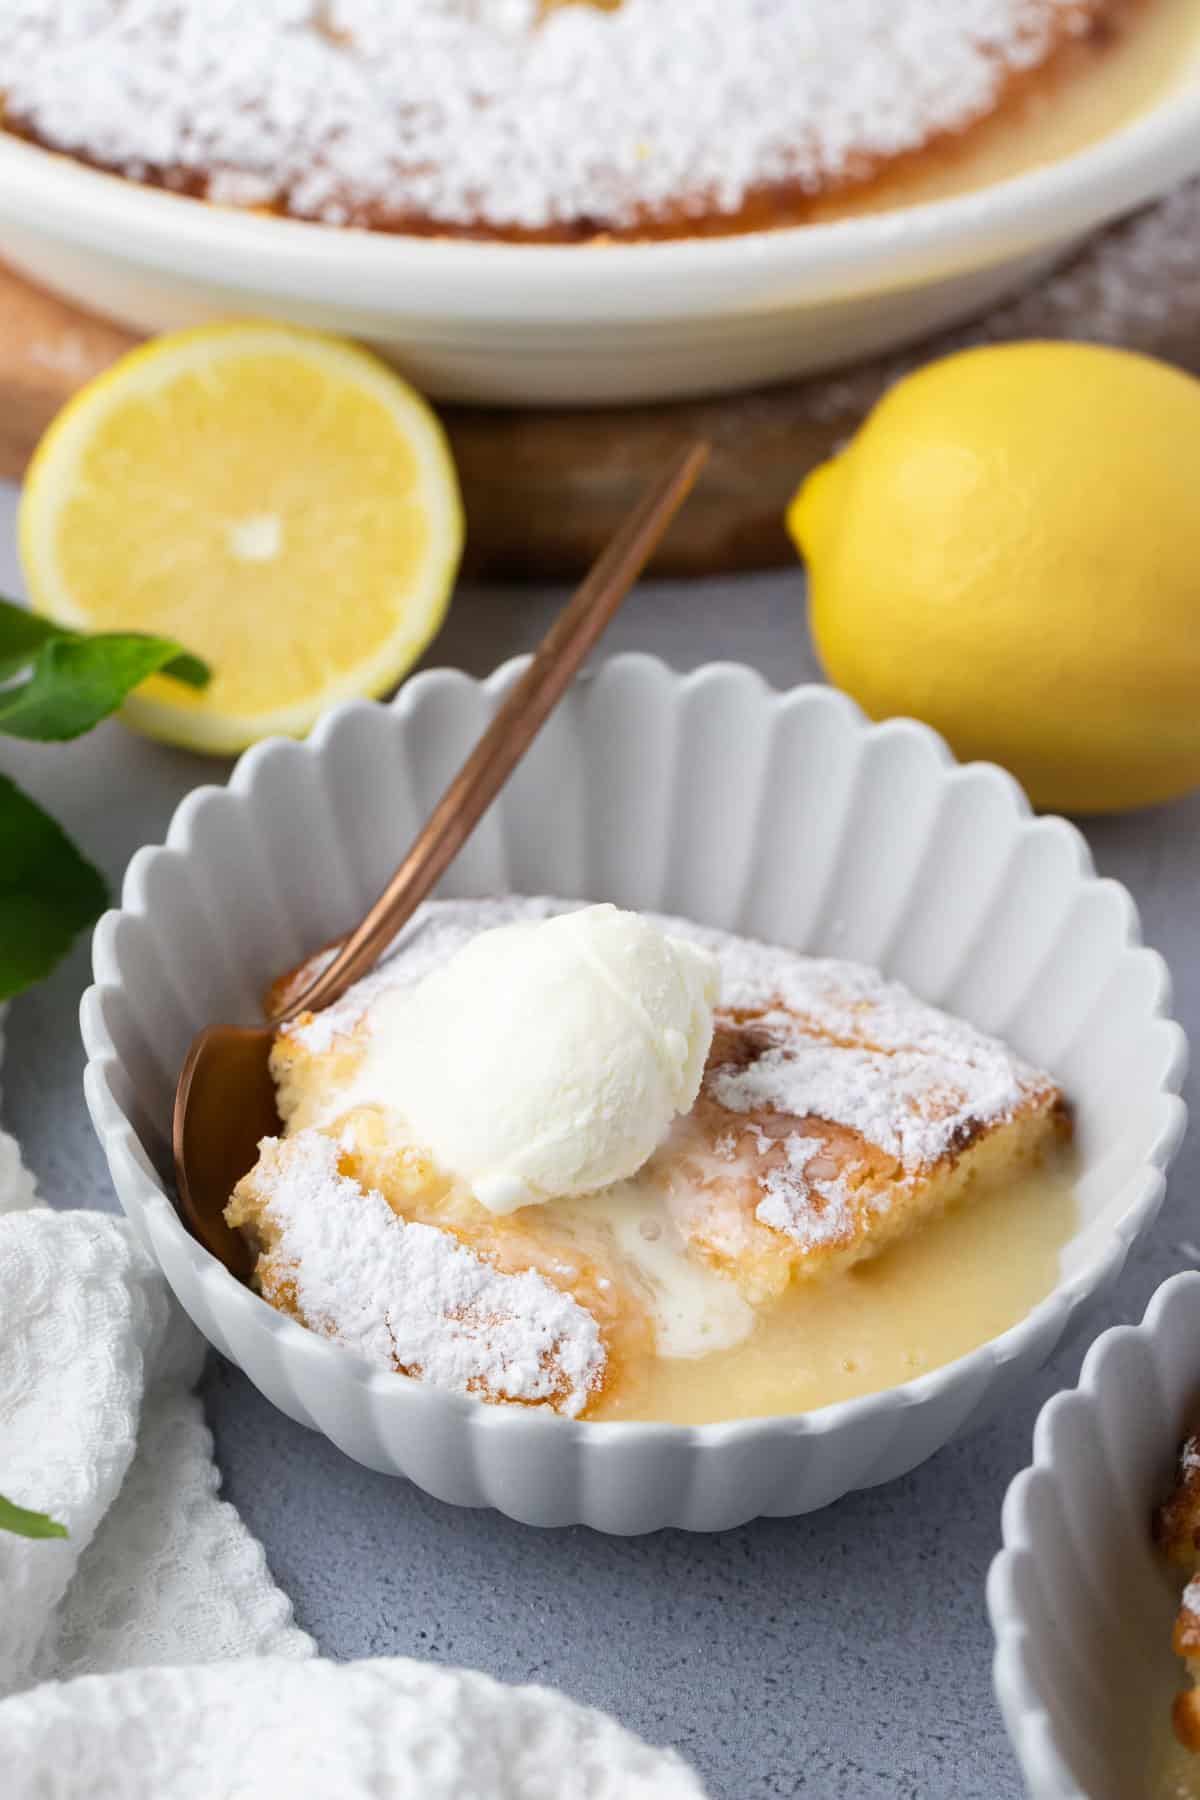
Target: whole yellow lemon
1009	549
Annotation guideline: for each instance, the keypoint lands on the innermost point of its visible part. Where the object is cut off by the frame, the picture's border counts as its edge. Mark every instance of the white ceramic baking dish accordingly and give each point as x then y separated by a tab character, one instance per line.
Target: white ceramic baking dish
536	325
1081	1606
782	816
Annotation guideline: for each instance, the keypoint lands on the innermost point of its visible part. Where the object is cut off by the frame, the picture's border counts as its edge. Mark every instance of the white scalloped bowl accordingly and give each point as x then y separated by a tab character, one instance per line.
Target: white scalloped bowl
781	816
535	325
1081	1605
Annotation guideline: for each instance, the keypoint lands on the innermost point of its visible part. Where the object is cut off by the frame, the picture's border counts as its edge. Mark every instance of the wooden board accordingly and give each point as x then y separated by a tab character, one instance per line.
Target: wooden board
544	490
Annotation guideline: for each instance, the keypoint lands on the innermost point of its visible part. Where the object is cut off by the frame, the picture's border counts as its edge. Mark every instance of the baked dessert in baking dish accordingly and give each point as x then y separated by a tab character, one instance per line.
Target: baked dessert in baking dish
544	121
632	1168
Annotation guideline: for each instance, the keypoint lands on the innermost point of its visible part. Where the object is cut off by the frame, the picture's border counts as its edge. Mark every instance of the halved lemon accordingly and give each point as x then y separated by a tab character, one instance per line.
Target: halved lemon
280	502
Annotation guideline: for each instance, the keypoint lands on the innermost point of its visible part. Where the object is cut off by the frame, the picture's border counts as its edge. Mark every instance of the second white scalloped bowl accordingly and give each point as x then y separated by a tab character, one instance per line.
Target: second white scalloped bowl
782	816
1081	1604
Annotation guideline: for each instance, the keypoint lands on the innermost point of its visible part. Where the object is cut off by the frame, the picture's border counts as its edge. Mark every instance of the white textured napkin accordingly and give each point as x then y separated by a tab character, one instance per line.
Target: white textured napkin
276	1730
100	1428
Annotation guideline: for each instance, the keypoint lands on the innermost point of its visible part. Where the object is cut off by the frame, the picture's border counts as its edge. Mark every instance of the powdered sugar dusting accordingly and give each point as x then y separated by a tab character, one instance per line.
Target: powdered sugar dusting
412	1297
509	112
911	1104
808	1209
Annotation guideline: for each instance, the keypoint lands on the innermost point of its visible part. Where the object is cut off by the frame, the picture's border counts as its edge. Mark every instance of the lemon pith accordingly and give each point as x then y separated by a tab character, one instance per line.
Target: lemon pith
279	501
1008	550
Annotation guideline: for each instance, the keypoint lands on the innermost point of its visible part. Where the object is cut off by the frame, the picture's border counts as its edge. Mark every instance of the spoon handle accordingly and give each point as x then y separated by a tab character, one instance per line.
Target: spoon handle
574	633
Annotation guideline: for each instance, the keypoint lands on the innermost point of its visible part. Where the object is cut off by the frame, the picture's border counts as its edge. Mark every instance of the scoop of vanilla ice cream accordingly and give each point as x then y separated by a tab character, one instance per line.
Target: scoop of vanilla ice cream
548	1058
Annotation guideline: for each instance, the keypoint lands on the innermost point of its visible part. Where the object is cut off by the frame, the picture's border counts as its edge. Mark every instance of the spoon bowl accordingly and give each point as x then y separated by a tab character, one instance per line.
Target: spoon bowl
224	1107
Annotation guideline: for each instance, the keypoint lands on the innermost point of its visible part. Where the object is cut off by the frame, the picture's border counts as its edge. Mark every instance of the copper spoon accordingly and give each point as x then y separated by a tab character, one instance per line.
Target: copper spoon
225	1100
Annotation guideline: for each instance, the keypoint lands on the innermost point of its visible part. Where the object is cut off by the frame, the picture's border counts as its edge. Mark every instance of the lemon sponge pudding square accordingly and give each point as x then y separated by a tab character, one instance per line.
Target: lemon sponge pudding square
837	1116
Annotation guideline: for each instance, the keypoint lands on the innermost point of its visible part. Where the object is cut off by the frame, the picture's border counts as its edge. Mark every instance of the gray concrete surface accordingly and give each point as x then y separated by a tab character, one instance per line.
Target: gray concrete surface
846	1654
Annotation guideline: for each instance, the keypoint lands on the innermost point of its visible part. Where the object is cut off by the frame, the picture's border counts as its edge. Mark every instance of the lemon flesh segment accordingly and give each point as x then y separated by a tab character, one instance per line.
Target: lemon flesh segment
280	502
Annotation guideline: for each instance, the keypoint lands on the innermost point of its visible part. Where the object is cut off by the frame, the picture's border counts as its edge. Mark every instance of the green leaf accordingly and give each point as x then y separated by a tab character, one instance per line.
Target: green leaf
78	681
22	635
48	891
58	683
28	1524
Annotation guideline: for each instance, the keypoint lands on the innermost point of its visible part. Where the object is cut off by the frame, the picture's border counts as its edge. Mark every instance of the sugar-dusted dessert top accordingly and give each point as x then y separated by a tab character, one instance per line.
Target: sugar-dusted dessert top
411	1296
516	114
